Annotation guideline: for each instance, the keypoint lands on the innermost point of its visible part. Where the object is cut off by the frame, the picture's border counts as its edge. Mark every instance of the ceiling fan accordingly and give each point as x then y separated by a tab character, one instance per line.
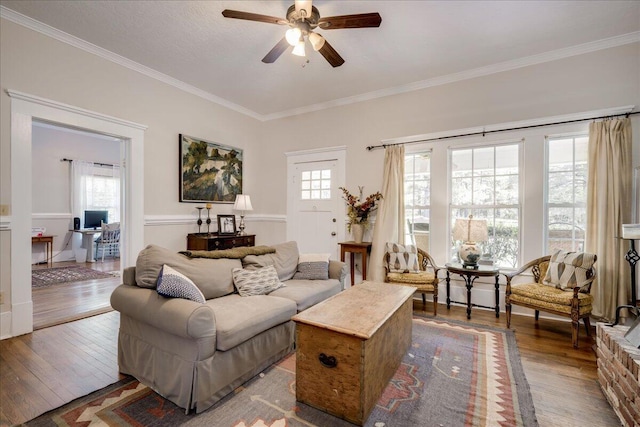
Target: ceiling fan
302	18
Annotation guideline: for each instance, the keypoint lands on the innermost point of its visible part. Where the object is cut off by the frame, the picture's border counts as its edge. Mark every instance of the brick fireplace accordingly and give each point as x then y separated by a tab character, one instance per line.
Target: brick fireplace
619	372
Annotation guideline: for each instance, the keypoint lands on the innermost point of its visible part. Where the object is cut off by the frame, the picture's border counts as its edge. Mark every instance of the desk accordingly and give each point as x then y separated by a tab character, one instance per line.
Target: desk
470	275
87	240
362	248
48	242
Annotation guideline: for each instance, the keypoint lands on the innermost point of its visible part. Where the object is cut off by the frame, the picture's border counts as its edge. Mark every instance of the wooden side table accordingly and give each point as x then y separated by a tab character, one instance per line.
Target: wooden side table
48	241
470	275
212	241
355	248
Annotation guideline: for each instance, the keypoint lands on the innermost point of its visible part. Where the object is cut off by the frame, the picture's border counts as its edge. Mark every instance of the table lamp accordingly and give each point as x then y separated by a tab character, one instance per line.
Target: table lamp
470	231
242	204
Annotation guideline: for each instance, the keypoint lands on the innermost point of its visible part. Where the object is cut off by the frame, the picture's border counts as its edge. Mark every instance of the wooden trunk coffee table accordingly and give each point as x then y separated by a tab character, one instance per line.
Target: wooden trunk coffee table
349	346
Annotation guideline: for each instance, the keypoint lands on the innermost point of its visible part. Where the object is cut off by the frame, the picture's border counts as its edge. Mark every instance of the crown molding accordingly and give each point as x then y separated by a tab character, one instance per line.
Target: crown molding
553	55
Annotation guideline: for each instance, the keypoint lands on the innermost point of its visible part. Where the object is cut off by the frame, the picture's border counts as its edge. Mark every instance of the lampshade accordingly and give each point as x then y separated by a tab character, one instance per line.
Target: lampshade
293	36
243	203
299	48
316	40
470	230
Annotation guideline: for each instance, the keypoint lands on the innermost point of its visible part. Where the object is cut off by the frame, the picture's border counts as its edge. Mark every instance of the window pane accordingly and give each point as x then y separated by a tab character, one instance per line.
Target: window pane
306	175
561	187
483	161
507	158
417	180
483	190
507	190
561	156
326	174
461	163
461	191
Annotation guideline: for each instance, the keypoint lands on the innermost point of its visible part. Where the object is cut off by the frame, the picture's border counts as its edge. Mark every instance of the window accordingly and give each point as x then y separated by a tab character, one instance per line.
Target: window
102	191
417	196
485	183
566	197
316	185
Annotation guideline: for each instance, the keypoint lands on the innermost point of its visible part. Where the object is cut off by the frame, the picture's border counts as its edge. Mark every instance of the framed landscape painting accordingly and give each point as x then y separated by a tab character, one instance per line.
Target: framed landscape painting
209	172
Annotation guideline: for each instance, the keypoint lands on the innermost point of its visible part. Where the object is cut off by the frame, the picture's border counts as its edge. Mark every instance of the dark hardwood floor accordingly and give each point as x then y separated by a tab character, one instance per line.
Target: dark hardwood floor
43	370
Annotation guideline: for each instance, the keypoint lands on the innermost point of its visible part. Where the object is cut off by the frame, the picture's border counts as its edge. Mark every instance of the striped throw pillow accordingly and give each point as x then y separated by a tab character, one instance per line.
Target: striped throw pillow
313	267
260	281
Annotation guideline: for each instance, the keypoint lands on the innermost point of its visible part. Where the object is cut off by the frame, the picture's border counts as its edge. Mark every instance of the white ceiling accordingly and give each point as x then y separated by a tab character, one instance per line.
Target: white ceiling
419	44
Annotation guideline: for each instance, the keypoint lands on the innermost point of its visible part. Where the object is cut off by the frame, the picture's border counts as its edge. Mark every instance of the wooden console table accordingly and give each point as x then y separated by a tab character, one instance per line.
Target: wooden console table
362	248
211	241
48	242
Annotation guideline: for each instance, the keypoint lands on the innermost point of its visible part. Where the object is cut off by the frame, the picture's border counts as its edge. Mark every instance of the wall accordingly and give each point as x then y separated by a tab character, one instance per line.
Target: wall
51	182
33	63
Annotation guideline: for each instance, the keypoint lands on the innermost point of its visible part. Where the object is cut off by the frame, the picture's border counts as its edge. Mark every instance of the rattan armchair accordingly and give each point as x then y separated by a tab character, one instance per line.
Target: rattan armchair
575	303
425	281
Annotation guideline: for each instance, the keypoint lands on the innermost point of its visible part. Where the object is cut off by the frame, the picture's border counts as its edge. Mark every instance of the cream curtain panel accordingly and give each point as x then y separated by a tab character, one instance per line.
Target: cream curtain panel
609	192
389	226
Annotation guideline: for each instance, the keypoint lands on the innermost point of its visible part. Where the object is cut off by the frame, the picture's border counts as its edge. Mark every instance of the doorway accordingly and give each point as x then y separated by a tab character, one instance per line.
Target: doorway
74	171
315	216
24	109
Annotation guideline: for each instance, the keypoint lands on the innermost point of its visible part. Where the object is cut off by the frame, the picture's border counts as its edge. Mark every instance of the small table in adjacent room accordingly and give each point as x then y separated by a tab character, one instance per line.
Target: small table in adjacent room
349	346
362	248
48	242
470	275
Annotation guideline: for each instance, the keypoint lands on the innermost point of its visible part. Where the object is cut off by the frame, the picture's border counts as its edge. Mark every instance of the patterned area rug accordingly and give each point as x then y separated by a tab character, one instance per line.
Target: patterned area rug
453	375
74	273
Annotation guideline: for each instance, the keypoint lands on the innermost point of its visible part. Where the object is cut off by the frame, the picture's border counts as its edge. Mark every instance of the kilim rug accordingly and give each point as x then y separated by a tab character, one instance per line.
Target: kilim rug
454	374
73	273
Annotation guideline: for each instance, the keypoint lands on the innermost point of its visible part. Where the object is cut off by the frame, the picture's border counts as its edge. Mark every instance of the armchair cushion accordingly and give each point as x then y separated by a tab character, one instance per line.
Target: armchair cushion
402	258
550	298
569	269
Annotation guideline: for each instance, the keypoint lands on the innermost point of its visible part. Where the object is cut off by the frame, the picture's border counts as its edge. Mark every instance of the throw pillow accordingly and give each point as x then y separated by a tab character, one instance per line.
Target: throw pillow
313	267
285	260
568	269
173	284
402	259
260	281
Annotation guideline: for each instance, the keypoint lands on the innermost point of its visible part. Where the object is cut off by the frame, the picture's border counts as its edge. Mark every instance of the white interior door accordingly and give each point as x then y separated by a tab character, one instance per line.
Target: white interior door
315	217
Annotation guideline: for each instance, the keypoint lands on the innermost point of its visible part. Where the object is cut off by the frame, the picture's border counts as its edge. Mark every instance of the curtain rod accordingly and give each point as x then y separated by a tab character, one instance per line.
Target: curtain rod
95	163
483	133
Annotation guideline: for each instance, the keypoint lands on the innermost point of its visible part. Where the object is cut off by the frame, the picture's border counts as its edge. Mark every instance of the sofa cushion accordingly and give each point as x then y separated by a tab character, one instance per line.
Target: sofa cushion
307	293
568	269
173	284
239	319
313	267
211	276
260	281
402	258
285	260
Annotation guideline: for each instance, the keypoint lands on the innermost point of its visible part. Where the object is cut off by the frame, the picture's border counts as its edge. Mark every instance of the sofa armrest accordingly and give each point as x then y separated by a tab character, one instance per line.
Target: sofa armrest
337	270
177	316
129	276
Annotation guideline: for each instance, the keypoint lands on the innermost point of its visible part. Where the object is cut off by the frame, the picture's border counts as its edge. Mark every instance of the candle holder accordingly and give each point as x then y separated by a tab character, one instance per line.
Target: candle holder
199	222
208	219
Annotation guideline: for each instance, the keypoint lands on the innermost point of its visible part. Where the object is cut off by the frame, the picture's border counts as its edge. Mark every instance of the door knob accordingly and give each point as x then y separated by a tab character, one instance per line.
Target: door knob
333	233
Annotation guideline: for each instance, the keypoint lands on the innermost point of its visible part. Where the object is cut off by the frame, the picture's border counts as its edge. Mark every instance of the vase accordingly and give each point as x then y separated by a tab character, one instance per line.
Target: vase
358	231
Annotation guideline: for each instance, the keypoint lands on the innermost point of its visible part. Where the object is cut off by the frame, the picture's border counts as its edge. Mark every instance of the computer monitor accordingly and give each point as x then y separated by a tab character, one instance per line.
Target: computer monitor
94	219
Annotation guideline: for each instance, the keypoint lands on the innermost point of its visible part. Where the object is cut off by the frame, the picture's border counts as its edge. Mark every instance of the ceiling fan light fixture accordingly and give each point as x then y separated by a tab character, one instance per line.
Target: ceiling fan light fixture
316	40
299	48
293	36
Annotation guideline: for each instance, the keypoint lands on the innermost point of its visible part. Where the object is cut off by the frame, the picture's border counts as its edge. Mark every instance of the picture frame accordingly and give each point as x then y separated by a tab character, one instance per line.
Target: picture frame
209	172
226	225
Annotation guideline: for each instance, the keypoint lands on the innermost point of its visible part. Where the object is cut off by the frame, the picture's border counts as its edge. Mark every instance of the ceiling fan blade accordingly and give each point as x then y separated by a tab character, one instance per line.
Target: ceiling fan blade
277	50
331	55
253	17
361	20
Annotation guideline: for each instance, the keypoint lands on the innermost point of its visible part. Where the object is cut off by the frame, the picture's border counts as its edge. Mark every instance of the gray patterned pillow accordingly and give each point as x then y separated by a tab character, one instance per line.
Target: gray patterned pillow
568	269
313	267
173	284
256	282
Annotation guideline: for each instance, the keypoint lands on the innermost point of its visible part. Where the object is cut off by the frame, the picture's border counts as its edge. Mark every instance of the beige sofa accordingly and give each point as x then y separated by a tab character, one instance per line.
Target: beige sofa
194	354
